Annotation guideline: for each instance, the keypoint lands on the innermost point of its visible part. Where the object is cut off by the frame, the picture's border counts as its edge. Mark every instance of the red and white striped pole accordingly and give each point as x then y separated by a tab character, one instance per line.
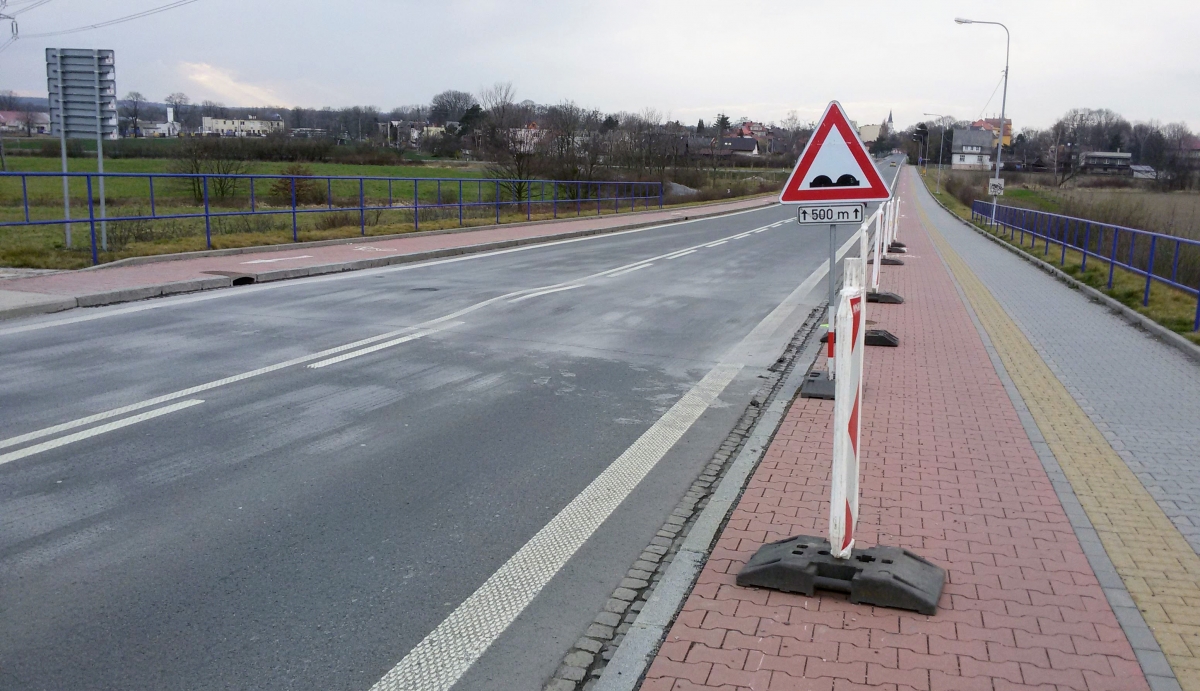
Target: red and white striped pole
847	422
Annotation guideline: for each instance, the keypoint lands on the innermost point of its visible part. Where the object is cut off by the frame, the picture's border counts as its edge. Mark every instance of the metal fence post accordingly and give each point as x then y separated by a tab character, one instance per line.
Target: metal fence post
1175	261
1062	240
660	195
151	178
1112	258
555	194
416	205
1149	271
92	221
295	228
460	203
208	216
528	200
497	203
578	197
362	209
1087	236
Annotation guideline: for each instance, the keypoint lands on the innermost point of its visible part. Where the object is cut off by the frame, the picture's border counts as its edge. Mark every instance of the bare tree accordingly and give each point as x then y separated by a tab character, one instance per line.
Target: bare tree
511	147
8	100
179	102
133	107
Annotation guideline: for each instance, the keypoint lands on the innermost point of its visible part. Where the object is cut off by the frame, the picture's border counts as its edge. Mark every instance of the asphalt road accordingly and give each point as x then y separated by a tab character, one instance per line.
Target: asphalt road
195	495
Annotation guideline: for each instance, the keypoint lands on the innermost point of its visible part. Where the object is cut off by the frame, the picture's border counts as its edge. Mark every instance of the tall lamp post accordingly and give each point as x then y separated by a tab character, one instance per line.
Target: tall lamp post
941	144
1003	99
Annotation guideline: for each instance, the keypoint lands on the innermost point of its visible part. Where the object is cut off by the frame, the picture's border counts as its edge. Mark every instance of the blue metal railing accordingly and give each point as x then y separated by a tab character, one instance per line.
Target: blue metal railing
1155	256
443	197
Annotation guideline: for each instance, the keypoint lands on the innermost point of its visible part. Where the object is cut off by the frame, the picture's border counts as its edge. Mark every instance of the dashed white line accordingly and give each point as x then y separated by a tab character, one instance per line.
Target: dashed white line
79	436
717	243
547	291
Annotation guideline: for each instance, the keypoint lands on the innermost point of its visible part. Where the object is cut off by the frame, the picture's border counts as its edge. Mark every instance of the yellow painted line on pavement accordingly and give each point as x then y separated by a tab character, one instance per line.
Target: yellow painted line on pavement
1158	566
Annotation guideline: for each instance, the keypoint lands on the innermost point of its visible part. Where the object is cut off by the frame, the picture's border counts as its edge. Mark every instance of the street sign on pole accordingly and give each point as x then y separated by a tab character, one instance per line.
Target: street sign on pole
82	85
996	187
834	167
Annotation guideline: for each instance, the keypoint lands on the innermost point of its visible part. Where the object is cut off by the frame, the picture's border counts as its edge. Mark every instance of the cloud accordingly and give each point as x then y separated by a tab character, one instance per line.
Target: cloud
222	85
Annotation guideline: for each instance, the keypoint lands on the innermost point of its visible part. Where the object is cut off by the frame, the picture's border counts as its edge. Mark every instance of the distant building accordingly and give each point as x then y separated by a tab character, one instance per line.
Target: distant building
1106	163
744	146
992	126
250	126
1144	172
972	150
19	121
869	133
170	128
307	132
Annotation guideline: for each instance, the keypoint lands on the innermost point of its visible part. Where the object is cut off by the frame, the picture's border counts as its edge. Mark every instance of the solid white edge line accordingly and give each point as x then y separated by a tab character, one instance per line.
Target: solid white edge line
443	656
546	292
438	661
79	436
380	346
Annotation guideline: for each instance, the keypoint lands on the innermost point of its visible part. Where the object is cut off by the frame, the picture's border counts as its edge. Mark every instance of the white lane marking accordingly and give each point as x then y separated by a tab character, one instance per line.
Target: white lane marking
547	291
629	270
280	259
105	313
438	661
677	255
79	436
717	243
48	431
380	346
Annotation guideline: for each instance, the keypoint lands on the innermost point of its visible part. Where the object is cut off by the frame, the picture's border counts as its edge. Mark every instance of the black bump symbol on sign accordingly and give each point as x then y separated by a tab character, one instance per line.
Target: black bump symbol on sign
846	180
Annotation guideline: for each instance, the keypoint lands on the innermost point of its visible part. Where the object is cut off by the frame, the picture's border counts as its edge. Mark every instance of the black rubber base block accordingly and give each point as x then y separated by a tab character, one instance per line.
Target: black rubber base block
884	298
887	261
881	337
880	576
898	247
817	385
874	337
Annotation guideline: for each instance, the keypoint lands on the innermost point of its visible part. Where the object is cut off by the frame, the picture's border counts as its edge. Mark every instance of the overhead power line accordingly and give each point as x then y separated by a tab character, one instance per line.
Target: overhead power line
119	20
36	3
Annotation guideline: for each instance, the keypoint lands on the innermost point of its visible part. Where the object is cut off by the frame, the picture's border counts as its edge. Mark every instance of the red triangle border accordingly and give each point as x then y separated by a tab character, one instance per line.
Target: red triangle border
834	117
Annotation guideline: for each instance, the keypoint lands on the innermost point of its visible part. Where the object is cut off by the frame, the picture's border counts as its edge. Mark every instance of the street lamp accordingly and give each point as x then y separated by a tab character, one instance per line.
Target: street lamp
941	143
1003	99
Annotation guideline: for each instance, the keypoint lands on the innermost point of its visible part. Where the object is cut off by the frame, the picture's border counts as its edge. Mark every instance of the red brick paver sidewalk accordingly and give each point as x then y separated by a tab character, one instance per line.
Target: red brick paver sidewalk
948	472
293	257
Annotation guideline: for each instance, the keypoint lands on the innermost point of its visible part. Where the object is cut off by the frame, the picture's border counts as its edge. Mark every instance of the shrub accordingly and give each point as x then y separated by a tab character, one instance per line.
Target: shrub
307	191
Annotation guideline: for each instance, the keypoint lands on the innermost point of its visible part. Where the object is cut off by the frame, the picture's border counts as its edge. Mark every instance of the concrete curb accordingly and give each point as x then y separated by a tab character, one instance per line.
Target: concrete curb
226	279
627	667
255	249
1131	316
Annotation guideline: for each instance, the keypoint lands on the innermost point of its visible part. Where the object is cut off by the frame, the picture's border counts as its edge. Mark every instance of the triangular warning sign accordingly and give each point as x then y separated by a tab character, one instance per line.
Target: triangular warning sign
835	166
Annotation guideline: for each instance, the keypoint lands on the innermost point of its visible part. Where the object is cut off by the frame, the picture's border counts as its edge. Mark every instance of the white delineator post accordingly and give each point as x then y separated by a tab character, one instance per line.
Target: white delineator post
847	419
882	218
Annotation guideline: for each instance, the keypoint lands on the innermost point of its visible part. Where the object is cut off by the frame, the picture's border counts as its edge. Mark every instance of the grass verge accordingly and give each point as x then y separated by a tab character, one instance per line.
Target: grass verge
1172	308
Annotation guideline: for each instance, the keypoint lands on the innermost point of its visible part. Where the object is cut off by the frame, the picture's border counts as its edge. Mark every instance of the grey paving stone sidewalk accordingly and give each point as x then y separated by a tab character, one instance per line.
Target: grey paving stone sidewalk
1144	396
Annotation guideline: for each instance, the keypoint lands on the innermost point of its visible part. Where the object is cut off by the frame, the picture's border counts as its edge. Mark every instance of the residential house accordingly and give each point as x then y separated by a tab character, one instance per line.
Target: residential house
1106	163
23	122
250	126
744	146
972	150
992	125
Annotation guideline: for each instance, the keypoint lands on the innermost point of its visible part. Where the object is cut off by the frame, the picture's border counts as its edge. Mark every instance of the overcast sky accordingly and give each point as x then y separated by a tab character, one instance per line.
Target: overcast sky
687	60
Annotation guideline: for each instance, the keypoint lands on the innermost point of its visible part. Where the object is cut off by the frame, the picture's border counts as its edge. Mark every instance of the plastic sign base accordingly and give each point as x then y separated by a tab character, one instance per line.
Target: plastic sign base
884	298
886	261
880	576
881	337
898	247
817	384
